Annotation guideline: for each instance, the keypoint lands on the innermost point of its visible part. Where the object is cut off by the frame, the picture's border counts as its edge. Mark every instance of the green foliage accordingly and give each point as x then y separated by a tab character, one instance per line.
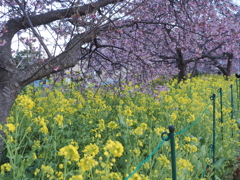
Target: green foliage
62	134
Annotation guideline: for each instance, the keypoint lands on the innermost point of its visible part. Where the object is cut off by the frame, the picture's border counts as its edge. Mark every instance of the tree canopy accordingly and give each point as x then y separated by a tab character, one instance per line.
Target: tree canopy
135	40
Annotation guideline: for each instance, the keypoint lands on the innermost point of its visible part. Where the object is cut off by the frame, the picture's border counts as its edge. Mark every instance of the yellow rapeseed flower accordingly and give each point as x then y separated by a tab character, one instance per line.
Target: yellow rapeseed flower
101	125
25	101
10	139
137	152
59	175
168	99
135	176
40	110
44	129
138	131
112	125
146	165
184	164
140	143
164	160
59	119
76	177
194	139
160	130
173	117
11	127
47	169
129	122
191	118
74	143
128	112
34	156
190	148
87	163
91	150
187	139
5	167
36	144
36	171
143	126
115	176
10	119
60	166
69	152
115	148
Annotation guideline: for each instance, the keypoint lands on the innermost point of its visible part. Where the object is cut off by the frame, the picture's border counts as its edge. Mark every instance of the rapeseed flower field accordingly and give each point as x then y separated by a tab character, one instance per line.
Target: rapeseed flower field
59	133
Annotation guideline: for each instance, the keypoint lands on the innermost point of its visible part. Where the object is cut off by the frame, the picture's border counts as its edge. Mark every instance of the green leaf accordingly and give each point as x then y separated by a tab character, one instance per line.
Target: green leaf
8	178
121	121
220	163
18	158
238	122
203	150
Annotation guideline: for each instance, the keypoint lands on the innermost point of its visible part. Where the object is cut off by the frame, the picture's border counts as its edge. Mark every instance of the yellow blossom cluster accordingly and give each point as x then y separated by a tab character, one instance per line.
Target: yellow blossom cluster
163	160
183	164
40	121
70	133
115	148
69	152
87	163
26	103
140	129
48	171
5	167
59	120
91	150
11	127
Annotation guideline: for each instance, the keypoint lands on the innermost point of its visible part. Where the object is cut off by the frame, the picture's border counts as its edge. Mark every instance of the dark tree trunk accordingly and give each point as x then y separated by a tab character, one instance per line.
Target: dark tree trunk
182	65
182	72
226	71
9	89
194	69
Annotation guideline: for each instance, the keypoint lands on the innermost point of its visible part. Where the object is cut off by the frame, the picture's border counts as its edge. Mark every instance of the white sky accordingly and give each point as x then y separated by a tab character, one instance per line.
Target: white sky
236	1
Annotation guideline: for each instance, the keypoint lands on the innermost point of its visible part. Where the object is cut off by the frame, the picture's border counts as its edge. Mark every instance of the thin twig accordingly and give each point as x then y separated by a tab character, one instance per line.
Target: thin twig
33	30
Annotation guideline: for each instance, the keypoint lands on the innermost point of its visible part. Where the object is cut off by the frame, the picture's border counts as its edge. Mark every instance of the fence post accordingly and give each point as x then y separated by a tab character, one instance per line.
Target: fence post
173	156
237	93
213	98
221	107
232	105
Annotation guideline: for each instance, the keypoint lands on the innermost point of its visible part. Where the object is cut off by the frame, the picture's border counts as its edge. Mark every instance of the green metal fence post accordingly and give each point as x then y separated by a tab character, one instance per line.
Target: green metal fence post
221	107
232	105
237	93
213	98
173	156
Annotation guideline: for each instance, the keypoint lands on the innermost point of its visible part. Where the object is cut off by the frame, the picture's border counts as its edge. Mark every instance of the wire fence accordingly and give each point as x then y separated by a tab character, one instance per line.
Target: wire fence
212	147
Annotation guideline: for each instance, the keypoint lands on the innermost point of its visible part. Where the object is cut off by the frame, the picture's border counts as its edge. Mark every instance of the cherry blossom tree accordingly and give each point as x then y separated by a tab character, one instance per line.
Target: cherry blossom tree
131	40
176	38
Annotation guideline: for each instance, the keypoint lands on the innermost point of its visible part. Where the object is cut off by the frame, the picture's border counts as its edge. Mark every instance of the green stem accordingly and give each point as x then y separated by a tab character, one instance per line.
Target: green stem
65	168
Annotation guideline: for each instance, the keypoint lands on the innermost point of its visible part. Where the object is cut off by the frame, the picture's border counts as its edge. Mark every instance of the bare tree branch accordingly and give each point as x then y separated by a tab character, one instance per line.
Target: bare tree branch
68	58
16	24
34	31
